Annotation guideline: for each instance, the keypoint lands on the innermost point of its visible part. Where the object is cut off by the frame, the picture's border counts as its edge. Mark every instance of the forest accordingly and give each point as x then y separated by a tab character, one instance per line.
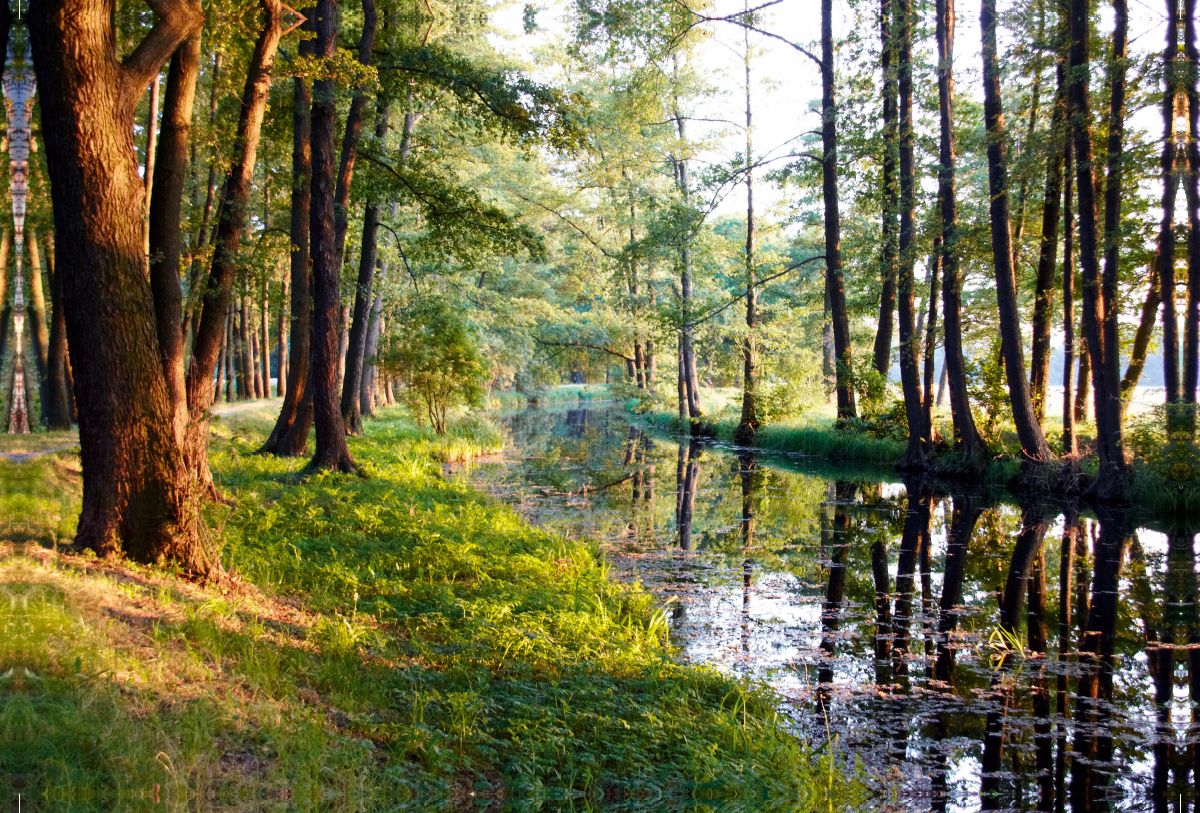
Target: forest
345	349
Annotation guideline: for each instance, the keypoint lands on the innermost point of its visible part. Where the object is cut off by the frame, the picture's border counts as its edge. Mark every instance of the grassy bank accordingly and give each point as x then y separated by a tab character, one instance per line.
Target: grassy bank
384	640
549	395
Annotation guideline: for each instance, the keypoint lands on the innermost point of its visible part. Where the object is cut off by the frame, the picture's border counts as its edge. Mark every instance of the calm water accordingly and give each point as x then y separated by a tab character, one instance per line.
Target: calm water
972	654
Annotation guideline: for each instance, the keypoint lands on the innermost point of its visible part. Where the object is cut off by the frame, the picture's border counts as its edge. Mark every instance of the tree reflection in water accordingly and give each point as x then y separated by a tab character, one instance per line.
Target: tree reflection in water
971	653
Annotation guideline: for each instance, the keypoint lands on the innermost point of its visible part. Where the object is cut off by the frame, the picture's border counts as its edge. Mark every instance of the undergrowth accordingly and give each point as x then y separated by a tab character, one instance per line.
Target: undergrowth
394	639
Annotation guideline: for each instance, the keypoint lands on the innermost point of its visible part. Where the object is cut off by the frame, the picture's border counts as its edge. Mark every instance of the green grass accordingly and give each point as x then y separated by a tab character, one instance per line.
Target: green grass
392	639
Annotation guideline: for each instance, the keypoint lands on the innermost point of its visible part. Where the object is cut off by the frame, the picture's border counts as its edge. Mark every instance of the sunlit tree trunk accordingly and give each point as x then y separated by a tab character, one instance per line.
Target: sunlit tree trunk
139	492
58	404
1029	430
887	297
748	426
1070	445
331	451
966	437
289	436
1102	347
833	224
918	433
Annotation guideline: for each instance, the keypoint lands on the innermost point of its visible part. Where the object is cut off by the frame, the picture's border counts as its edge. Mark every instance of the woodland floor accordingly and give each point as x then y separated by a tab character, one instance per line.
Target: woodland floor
393	640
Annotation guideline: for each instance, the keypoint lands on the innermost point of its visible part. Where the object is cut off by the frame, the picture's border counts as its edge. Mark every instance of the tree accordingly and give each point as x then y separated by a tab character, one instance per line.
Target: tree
966	437
1029	430
331	450
140	494
432	351
835	285
887	297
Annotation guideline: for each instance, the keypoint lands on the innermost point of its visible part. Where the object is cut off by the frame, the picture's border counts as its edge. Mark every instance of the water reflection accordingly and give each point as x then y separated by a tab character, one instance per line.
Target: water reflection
972	653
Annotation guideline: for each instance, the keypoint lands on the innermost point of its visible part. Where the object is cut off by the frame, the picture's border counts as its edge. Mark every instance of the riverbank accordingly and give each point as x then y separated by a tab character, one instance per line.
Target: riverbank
392	639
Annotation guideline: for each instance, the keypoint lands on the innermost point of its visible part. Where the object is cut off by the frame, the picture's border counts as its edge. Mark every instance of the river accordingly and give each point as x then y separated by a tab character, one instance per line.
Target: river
971	653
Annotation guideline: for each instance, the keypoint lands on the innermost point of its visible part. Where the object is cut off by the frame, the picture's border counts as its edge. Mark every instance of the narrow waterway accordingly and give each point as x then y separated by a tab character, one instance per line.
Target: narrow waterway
974	654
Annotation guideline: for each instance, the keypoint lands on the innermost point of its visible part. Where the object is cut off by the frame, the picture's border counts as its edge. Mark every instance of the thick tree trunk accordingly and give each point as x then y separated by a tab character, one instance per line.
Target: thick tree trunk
1043	297
58	405
164	220
1101	338
910	372
331	450
1029	430
833	224
887	298
289	437
139	493
1166	234
1070	443
232	219
966	437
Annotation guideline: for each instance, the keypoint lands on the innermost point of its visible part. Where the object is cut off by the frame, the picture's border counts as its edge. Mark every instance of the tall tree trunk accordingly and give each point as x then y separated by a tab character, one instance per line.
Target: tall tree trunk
1043	298
1191	187
887	298
1070	444
281	330
331	450
368	261
232	218
151	154
354	117
966	437
289	436
833	223
1083	381
36	313
5	307
139	494
264	342
1170	186
164	221
1029	430
748	426
195	286
57	408
910	372
935	263
691	382
366	392
1101	338
245	351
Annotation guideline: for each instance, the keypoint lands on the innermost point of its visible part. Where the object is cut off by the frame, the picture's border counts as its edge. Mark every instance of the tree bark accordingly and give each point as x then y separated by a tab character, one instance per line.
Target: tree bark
833	224
139	492
354	117
367	389
1166	233
331	451
1029	430
1083	382
931	341
58	405
5	307
748	426
1191	186
1043	297
164	221
232	219
39	331
1070	443
289	437
1101	338
910	373
691	383
887	298
151	150
369	259
281	331
195	289
966	437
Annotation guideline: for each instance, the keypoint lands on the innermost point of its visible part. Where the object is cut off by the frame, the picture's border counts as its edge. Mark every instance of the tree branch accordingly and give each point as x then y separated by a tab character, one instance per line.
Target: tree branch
177	20
616	353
